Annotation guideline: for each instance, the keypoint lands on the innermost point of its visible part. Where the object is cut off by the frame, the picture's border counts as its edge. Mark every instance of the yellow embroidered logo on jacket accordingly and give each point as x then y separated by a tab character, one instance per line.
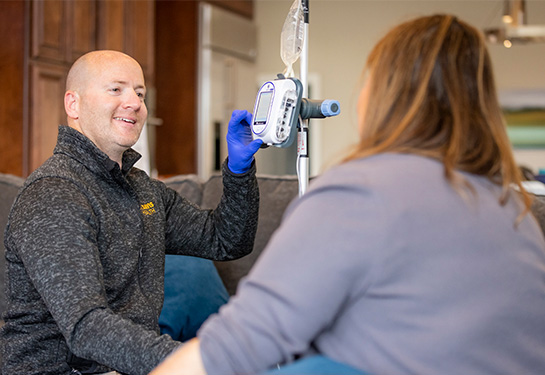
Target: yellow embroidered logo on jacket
147	208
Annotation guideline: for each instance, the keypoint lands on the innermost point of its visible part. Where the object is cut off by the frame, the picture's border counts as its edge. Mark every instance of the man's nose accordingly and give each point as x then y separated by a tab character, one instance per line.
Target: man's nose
133	100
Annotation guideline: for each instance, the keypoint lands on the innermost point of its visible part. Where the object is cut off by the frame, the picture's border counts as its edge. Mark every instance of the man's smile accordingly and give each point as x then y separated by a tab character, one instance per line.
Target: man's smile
130	121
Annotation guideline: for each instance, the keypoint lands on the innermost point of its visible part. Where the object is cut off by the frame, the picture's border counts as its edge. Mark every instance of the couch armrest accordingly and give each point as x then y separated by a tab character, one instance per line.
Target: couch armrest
538	209
9	188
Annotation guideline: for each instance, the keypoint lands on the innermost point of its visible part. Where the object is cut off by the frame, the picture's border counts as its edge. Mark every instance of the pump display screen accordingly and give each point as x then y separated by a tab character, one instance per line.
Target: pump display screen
260	117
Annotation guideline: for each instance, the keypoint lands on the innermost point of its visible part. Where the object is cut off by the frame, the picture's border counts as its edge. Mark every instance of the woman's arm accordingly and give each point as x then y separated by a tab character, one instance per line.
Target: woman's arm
183	361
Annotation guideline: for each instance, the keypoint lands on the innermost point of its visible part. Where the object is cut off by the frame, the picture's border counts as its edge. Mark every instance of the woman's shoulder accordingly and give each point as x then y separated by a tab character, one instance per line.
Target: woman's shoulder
382	170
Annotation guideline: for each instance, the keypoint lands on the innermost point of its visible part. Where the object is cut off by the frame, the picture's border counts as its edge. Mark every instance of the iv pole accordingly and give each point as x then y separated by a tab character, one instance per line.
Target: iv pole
302	141
309	108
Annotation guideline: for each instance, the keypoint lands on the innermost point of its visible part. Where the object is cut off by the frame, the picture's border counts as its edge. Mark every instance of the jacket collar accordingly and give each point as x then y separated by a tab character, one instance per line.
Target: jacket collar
74	144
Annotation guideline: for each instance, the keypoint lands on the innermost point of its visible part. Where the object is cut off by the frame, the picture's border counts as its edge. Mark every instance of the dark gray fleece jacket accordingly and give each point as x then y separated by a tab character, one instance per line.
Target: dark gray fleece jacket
85	249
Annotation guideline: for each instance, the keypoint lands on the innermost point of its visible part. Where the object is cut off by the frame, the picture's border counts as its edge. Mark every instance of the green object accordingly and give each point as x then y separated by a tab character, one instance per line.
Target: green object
527	136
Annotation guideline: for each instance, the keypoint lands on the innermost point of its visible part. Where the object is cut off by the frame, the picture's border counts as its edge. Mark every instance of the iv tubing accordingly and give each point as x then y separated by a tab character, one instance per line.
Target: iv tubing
302	147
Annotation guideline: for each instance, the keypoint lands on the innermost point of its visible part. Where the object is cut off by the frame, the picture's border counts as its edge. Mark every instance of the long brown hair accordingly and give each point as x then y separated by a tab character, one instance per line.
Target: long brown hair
432	93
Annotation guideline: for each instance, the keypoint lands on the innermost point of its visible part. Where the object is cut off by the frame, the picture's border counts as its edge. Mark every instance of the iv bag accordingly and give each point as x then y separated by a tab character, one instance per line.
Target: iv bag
292	37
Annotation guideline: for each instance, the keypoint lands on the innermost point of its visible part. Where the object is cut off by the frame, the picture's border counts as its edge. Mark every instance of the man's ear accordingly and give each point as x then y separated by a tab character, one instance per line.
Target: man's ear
71	104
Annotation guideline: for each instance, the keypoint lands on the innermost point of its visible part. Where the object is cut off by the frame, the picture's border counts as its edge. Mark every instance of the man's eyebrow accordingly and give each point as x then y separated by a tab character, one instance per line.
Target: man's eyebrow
126	83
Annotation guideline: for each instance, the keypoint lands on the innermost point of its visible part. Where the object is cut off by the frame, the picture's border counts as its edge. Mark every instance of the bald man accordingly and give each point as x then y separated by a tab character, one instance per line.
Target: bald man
87	235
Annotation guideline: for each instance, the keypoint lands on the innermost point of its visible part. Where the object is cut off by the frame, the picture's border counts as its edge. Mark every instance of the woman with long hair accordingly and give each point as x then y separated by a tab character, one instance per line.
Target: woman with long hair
416	255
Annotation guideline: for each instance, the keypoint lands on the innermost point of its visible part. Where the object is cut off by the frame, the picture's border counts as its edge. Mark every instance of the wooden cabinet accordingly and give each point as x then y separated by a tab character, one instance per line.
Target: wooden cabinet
47	83
42	38
82	33
63	30
129	26
48	35
60	32
12	61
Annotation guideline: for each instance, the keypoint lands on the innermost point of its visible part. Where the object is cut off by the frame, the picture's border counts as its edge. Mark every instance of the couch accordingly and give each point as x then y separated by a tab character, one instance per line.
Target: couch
276	192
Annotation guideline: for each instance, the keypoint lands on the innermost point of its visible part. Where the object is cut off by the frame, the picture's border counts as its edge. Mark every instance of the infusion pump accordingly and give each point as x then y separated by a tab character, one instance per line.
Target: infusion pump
279	107
276	112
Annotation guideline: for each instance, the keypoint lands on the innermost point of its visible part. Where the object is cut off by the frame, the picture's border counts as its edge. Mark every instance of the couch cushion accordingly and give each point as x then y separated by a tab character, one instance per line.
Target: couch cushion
538	209
188	186
9	187
275	193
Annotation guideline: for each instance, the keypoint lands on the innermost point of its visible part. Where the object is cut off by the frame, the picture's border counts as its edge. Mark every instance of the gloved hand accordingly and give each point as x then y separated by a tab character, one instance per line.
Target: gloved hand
240	147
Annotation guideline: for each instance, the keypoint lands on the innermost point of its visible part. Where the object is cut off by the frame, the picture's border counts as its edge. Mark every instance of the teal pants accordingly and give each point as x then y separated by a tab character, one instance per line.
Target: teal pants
193	291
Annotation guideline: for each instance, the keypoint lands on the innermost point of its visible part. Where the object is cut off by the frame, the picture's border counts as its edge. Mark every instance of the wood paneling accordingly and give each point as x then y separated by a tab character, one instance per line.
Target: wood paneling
62	31
12	27
110	30
43	37
128	26
47	87
139	35
176	80
81	30
48	34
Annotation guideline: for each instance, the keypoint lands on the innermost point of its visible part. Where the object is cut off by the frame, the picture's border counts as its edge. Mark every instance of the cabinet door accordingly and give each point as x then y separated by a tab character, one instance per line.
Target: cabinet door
12	76
46	109
139	34
128	26
63	30
110	25
48	31
81	28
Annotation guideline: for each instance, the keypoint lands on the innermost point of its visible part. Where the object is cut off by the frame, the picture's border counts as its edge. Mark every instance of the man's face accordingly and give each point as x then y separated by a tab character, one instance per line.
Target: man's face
112	111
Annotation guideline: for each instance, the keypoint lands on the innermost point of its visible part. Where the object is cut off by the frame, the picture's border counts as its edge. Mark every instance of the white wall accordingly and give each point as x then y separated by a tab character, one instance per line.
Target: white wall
342	33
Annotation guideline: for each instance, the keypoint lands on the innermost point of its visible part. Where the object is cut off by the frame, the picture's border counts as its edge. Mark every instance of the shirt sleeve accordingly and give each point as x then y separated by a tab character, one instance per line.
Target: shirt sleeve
56	242
225	233
314	266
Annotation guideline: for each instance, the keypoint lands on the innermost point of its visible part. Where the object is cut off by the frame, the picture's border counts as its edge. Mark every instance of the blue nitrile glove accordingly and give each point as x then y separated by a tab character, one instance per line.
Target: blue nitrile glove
240	146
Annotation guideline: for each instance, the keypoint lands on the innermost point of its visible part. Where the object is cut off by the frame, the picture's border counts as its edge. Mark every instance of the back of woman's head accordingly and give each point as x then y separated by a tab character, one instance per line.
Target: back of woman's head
432	92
